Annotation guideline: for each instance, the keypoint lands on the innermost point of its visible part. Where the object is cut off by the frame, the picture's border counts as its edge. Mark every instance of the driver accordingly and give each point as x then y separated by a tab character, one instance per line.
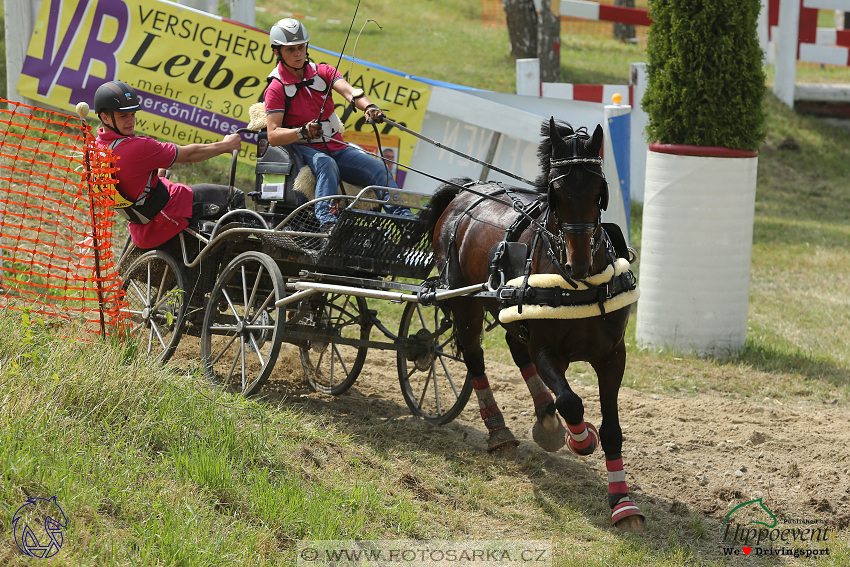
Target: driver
157	208
294	98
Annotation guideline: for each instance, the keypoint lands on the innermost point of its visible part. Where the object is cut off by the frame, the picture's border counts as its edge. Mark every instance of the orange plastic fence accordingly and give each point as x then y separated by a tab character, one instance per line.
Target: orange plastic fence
493	14
56	256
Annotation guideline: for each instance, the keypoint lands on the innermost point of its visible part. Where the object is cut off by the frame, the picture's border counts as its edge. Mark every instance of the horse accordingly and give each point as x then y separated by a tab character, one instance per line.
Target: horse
571	255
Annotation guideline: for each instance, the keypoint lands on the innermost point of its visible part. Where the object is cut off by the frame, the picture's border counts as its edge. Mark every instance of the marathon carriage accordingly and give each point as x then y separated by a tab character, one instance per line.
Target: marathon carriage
252	279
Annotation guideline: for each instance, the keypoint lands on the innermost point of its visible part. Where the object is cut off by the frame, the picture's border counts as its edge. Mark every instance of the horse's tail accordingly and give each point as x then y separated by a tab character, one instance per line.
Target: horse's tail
444	195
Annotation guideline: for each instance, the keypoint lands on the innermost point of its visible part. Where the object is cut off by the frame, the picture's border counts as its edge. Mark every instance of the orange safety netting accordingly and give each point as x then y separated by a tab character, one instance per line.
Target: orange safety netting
56	257
493	14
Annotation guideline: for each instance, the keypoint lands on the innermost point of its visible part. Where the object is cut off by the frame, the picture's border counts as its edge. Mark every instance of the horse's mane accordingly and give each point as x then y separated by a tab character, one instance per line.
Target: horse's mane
544	151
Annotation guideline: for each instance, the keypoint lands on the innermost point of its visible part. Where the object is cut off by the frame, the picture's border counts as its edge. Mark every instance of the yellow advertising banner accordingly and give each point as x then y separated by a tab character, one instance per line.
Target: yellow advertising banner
196	74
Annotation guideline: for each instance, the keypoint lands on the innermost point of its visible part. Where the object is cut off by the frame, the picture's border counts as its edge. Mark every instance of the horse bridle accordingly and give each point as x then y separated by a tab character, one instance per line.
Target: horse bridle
577	228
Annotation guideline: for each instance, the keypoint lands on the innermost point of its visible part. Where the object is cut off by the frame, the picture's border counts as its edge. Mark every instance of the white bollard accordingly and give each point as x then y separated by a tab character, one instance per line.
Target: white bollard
695	253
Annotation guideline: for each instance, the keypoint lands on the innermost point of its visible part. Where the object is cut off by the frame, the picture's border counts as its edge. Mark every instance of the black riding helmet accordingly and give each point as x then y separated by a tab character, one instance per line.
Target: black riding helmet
115	96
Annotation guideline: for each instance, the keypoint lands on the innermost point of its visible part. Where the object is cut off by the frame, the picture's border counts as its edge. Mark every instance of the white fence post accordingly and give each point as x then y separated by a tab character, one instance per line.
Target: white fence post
243	11
19	16
210	6
528	77
762	29
639	147
786	53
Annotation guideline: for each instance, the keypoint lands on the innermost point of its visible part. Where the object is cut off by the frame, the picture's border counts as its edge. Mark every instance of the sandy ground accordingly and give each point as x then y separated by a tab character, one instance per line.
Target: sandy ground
705	451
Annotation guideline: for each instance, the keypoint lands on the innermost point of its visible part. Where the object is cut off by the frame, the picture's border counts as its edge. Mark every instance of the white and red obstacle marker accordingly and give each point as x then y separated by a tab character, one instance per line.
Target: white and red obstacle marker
828	46
604	12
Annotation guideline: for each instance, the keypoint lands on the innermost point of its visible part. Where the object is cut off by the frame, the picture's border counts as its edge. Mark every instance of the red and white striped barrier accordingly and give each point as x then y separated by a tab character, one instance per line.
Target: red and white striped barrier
588	93
815	45
604	12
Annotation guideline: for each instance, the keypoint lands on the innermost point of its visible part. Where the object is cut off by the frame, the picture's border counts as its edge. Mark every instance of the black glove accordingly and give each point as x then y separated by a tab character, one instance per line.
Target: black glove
374	114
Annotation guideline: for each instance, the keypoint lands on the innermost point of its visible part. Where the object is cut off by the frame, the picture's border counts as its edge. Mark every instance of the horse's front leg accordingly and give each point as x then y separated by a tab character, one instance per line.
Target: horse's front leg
582	438
625	514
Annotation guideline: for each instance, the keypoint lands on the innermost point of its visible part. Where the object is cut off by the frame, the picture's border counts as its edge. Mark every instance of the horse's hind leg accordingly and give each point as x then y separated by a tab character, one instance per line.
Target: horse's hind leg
548	431
469	319
625	514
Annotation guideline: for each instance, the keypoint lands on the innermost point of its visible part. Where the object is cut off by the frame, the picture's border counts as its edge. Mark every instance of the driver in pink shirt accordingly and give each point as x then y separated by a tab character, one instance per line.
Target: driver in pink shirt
159	209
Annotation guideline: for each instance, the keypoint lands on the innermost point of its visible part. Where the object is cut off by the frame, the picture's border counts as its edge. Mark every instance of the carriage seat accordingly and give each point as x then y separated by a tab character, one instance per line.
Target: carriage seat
284	180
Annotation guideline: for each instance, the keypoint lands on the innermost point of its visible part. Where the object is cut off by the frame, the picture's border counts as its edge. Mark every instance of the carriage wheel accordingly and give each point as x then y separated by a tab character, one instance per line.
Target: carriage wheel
433	378
242	330
331	367
155	286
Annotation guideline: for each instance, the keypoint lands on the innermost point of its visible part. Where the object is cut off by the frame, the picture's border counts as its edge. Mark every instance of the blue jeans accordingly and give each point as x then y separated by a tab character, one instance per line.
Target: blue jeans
354	167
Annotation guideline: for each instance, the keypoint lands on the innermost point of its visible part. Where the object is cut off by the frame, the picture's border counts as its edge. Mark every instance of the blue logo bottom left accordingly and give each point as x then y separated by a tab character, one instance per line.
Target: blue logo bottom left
38	526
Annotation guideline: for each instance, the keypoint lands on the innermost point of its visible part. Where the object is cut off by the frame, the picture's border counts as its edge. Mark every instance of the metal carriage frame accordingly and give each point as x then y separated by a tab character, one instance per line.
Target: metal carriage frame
255	279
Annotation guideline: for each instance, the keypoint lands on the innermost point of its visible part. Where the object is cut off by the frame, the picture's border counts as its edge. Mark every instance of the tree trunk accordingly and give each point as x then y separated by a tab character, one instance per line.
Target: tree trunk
522	28
624	32
549	44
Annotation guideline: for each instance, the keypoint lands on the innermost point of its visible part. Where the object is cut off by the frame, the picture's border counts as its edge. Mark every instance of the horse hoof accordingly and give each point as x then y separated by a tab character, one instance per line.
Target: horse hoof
502	442
594	442
628	517
549	441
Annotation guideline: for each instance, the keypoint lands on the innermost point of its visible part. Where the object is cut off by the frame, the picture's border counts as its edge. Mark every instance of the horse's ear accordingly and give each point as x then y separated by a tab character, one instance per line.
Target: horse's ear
559	146
596	141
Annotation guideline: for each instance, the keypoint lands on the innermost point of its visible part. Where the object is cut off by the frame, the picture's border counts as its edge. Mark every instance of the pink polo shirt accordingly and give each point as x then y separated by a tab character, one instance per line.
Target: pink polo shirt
138	157
306	103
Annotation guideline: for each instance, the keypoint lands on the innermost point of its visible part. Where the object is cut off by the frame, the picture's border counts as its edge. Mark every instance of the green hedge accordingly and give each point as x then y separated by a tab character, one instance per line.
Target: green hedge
705	77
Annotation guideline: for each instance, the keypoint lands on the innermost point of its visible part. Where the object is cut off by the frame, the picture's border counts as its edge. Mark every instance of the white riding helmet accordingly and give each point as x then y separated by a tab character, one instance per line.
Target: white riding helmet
288	32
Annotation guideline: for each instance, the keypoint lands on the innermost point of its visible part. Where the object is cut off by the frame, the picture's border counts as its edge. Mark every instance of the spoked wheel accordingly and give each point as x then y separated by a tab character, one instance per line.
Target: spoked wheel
433	378
155	287
242	329
330	366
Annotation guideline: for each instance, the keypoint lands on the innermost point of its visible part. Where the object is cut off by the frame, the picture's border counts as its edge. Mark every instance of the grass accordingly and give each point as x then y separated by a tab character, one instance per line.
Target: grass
152	468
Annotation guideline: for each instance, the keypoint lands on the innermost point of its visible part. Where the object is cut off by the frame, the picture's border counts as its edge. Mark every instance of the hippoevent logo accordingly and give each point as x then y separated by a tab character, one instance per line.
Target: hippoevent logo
38	526
751	528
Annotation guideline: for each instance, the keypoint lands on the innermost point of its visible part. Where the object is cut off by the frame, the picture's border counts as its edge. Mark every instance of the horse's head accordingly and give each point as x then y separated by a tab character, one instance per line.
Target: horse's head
577	190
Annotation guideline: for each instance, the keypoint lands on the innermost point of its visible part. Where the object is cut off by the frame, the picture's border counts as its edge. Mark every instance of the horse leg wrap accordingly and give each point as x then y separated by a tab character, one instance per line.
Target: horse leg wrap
500	434
621	504
538	390
583	439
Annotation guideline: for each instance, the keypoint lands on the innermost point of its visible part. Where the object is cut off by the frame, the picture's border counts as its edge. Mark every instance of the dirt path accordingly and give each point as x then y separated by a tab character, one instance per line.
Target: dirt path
705	451
695	455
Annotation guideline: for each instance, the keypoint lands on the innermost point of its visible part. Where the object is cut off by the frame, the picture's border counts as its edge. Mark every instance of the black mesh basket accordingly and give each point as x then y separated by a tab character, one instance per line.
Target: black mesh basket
379	243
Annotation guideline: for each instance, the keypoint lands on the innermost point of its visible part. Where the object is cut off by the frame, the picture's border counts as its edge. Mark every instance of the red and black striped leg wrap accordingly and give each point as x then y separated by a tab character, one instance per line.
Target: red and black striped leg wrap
583	439
538	390
494	421
619	500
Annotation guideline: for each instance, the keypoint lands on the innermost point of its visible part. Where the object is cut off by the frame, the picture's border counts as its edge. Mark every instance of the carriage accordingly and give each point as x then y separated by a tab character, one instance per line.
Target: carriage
255	278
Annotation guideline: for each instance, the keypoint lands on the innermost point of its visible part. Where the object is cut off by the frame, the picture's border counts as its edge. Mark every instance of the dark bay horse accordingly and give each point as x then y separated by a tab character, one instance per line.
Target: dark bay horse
569	250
